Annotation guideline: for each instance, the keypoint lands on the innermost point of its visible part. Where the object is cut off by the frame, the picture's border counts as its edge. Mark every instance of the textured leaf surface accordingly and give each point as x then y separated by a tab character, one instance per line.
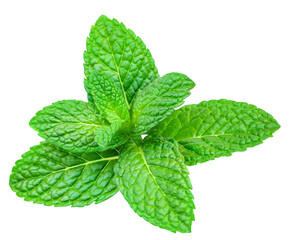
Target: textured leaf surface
74	125
154	180
117	140
216	128
108	98
116	52
158	100
49	175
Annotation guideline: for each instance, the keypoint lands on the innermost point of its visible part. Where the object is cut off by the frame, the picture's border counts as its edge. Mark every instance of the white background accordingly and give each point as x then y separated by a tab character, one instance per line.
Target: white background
237	50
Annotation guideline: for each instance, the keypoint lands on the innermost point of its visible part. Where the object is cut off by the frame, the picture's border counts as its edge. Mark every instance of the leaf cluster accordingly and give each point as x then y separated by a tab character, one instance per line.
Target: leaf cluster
94	149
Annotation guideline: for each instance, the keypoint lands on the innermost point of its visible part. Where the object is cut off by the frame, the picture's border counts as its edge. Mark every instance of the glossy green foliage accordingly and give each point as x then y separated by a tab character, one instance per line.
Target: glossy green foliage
158	100
118	54
154	180
80	162
216	128
74	125
52	176
118	139
108	98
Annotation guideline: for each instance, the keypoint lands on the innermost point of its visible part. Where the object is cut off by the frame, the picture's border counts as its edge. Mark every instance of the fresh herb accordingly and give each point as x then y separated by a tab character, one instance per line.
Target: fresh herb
94	149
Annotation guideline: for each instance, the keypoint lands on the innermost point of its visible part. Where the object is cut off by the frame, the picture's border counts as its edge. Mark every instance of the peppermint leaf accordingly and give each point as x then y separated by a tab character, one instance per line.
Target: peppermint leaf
75	126
216	128
158	100
117	140
52	176
115	51
108	98
154	180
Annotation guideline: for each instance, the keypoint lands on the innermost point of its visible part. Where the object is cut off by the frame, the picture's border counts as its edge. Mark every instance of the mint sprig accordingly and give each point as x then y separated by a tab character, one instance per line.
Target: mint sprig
94	149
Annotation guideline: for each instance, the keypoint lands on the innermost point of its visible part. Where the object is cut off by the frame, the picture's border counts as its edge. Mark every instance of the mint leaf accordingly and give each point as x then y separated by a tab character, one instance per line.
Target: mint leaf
154	180
108	98
118	139
158	100
52	176
116	52
128	98
216	128
75	126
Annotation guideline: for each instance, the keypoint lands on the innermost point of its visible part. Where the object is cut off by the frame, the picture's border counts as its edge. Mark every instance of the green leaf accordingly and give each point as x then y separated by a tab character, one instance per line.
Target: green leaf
117	140
216	128
108	98
75	126
52	176
154	180
158	100
116	52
